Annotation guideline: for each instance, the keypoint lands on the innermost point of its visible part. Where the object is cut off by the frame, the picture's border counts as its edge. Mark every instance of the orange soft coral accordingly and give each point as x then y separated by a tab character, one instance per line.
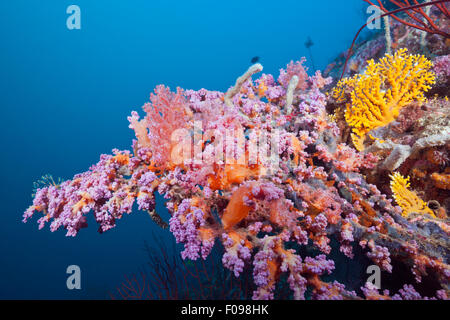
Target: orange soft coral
237	209
230	174
441	180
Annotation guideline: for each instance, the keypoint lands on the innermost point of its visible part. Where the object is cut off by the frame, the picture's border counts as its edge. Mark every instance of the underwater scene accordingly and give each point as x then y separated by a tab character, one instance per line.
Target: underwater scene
235	150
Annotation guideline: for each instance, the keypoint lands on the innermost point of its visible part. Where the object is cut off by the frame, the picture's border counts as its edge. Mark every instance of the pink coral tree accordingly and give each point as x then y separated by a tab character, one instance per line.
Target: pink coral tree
167	112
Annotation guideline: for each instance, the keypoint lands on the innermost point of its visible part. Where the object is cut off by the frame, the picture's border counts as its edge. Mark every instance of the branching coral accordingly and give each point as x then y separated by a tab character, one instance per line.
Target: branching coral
275	187
419	19
385	87
408	8
407	199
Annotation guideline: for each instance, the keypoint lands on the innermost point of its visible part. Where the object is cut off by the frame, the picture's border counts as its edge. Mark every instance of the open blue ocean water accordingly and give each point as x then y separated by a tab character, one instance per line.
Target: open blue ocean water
65	96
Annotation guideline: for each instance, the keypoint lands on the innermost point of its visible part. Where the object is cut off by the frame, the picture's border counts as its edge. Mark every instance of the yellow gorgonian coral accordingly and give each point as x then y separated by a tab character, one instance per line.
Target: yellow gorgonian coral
332	117
407	199
382	90
344	85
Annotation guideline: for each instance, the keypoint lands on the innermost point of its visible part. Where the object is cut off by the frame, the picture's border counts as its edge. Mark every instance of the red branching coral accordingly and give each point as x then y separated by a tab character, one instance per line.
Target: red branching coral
419	19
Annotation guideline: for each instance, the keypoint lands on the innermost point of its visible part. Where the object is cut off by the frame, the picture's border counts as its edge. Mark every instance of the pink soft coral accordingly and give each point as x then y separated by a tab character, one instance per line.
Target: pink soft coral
294	69
166	113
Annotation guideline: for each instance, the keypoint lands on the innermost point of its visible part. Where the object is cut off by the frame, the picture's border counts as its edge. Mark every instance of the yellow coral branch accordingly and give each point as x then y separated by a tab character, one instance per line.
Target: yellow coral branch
407	199
378	94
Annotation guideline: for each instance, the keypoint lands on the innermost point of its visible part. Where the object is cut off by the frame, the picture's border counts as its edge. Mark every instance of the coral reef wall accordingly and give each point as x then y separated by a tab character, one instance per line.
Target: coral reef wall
292	179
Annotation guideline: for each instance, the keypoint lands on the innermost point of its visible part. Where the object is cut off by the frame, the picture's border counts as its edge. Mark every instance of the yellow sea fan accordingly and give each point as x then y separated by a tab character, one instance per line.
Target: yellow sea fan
341	87
332	117
378	94
358	142
407	199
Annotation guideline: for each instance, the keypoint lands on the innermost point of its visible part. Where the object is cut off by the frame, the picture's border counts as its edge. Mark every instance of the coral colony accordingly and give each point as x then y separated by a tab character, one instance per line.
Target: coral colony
282	172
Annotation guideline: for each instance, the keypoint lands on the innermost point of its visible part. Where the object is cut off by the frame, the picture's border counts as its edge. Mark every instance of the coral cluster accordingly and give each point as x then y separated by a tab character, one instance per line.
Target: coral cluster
264	171
382	90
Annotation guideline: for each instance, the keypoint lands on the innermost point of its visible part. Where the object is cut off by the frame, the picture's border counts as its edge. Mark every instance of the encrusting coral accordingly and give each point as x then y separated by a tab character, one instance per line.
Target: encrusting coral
262	169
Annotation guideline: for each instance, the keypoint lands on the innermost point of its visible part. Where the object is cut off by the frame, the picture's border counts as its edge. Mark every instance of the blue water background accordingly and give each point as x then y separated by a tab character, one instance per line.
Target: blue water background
65	96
